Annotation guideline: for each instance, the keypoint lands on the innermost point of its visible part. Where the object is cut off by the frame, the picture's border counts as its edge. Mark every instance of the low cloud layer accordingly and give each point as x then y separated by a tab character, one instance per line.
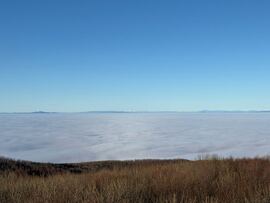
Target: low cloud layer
103	136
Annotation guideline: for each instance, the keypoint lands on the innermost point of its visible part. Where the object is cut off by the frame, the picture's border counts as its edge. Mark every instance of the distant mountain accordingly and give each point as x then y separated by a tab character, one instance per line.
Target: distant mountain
41	112
234	111
106	112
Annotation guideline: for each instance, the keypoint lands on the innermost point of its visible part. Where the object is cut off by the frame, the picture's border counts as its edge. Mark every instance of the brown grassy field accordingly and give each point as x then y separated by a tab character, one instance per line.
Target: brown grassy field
212	180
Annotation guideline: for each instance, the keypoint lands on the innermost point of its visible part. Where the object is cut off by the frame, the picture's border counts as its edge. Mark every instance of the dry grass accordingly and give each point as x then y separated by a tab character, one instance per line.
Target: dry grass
215	180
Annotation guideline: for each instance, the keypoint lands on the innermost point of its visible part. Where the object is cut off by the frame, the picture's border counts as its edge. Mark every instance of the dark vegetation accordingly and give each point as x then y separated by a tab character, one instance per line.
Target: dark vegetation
23	168
207	180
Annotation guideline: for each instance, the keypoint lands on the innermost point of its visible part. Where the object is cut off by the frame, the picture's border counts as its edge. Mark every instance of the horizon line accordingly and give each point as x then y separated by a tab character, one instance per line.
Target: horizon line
143	111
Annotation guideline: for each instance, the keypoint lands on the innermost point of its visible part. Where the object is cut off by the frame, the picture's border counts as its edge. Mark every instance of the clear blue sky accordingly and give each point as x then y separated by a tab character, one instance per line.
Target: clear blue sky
134	55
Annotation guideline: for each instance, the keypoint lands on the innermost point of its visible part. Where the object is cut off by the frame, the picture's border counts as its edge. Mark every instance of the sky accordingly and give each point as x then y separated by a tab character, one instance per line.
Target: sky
127	55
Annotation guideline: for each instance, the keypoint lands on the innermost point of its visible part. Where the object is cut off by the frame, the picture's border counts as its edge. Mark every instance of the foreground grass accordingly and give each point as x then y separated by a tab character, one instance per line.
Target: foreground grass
224	180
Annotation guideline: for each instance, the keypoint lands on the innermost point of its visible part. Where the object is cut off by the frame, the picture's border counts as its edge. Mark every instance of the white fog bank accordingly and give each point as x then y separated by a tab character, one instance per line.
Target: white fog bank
76	137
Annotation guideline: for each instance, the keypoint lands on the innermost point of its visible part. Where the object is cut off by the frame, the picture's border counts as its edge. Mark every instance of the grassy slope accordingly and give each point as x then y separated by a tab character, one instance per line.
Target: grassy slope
227	180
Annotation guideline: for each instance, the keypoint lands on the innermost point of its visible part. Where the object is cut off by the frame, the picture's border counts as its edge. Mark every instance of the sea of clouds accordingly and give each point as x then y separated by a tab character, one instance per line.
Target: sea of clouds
76	137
